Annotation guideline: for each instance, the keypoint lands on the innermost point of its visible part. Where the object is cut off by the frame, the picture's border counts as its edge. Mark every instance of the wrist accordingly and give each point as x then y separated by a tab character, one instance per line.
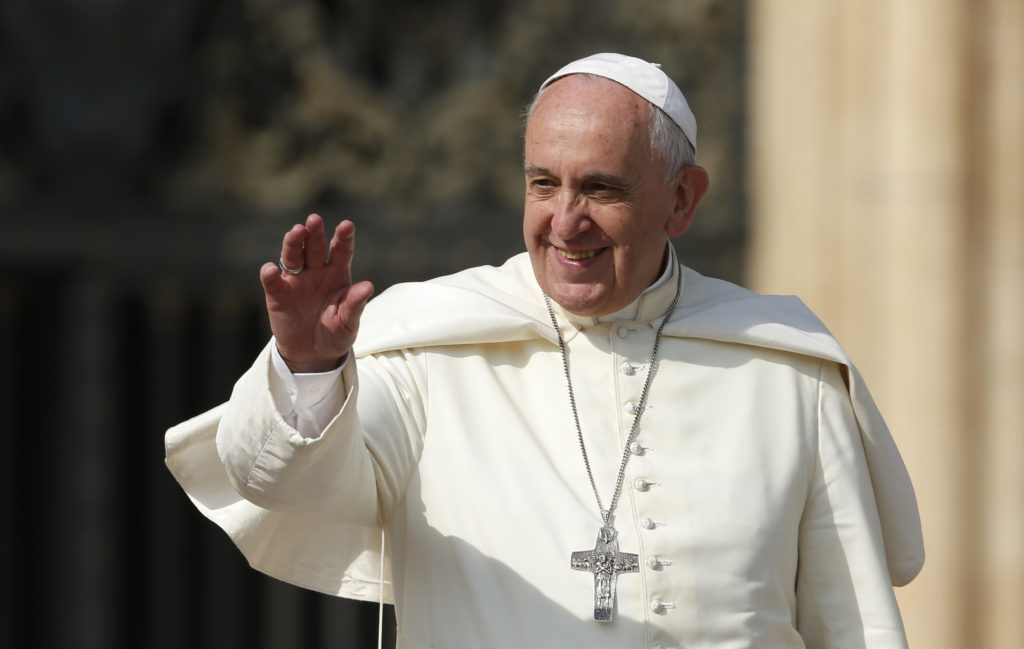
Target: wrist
315	366
305	365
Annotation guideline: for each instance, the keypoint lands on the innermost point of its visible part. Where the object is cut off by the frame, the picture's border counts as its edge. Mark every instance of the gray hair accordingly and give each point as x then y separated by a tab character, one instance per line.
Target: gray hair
668	142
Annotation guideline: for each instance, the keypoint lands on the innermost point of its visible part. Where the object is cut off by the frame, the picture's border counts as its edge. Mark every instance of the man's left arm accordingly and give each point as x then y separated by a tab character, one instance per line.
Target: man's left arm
845	598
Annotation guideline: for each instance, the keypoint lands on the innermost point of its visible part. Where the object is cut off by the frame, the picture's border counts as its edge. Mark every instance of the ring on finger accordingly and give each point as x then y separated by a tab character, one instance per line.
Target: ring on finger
285	269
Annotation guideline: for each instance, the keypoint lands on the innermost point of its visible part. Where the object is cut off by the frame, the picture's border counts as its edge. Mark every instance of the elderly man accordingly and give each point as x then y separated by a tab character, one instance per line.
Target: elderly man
590	446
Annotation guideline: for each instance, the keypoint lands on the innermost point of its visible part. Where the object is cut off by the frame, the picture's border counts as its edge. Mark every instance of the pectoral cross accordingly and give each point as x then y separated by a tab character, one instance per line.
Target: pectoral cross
606	562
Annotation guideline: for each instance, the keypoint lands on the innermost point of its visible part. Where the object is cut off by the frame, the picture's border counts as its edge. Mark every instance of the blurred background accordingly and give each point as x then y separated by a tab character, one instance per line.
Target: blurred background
867	155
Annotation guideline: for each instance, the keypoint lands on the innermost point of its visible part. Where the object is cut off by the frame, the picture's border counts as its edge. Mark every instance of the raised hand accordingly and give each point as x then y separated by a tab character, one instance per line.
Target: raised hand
314	312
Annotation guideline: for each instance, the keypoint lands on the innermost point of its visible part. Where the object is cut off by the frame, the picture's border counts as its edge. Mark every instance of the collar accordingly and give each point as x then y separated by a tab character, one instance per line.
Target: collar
647	309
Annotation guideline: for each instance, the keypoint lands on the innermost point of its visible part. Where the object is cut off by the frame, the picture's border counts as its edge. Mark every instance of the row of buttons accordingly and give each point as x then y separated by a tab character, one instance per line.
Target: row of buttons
648	523
642	485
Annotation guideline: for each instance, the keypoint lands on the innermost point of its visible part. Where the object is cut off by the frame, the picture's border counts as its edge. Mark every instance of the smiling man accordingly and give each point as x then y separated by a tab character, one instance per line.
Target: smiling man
709	455
600	203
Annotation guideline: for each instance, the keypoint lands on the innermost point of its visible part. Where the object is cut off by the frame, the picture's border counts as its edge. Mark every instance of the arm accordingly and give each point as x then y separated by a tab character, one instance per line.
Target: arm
844	596
314	314
356	469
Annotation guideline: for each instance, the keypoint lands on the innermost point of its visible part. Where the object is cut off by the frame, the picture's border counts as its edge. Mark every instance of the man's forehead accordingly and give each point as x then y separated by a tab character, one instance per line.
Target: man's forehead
591	130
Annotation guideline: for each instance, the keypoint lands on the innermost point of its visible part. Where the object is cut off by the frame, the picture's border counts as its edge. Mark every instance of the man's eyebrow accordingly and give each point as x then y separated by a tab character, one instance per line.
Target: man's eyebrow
607	179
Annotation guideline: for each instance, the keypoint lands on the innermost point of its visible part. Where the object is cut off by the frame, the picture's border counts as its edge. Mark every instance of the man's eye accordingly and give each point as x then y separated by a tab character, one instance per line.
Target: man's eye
599	189
542	185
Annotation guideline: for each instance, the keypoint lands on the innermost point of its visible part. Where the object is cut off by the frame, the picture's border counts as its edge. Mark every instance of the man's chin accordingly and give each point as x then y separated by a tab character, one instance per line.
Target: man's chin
588	302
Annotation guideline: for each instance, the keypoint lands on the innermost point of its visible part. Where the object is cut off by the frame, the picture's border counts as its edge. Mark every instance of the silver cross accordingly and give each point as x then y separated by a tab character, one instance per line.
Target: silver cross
606	562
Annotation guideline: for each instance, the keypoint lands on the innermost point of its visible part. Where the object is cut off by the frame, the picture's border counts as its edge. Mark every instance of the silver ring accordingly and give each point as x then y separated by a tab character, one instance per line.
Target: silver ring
285	269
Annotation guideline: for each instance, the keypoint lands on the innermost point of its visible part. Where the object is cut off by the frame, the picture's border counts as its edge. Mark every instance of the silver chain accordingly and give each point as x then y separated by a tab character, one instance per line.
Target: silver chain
606	514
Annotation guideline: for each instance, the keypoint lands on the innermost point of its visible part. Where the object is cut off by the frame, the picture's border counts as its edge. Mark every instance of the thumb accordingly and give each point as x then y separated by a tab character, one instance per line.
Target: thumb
351	307
355	301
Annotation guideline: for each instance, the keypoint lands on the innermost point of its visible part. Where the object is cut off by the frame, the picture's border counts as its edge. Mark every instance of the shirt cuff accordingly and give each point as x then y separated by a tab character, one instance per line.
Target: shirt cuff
307	401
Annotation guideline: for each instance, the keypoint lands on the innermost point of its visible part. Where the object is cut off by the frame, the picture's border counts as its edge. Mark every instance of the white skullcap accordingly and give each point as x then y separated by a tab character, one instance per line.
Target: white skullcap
643	78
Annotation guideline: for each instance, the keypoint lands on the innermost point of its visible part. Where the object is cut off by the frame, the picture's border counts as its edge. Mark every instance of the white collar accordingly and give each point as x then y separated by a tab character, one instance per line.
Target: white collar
631	312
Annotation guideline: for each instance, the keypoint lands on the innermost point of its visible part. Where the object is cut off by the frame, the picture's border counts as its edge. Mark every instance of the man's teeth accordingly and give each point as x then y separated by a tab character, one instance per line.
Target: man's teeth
582	254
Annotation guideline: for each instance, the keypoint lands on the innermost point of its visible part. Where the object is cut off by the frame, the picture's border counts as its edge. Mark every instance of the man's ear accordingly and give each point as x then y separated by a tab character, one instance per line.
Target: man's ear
691	184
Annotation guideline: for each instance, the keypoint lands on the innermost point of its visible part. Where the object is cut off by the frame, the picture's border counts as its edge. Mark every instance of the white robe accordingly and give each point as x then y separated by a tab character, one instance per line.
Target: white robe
775	509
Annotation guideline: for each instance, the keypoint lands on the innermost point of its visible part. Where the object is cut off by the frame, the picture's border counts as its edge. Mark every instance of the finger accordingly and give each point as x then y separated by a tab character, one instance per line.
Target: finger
343	245
316	244
292	253
355	301
270	278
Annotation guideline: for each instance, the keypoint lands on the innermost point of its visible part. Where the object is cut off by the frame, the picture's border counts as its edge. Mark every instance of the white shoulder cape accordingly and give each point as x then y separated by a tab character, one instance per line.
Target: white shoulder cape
489	304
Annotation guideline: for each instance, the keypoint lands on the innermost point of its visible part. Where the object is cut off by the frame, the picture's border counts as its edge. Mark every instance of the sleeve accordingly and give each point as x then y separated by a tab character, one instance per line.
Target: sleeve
356	469
845	598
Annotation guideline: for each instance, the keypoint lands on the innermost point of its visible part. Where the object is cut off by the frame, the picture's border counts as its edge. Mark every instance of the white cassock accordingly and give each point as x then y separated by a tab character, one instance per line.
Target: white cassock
765	497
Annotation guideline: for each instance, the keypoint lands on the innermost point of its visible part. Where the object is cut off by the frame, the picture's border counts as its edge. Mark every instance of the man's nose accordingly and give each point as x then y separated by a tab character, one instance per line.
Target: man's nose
571	216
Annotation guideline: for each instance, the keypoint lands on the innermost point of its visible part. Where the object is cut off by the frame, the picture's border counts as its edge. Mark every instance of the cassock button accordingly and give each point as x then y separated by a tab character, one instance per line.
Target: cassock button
631	408
641	484
622	331
648	524
657	606
635	447
628	369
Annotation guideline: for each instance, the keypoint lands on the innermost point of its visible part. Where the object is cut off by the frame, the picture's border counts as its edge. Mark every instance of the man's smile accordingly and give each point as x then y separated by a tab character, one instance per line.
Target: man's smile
576	255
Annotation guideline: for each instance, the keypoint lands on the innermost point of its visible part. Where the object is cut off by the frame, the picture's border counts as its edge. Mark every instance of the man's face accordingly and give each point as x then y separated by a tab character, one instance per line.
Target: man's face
598	210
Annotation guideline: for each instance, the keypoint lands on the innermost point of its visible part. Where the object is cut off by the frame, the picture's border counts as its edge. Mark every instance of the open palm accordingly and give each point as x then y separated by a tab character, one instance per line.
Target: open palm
314	313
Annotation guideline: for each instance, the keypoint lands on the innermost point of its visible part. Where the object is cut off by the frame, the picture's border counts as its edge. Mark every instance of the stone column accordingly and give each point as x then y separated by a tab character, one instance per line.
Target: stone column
887	171
1001	343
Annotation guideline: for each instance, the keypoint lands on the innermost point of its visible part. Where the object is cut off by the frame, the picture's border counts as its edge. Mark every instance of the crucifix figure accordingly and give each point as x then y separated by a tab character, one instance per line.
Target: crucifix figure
606	562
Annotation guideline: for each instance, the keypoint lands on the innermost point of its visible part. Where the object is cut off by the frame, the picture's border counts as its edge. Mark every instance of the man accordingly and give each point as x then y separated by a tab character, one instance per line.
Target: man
589	446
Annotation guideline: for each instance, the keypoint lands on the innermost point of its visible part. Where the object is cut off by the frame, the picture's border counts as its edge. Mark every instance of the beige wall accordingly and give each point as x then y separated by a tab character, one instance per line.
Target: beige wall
887	190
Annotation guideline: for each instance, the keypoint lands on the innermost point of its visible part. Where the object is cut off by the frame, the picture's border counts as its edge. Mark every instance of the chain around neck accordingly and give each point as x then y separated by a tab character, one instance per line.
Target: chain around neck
606	514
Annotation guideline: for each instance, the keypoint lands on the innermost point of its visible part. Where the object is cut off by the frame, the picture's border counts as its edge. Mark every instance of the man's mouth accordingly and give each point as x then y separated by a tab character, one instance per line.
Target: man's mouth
578	254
